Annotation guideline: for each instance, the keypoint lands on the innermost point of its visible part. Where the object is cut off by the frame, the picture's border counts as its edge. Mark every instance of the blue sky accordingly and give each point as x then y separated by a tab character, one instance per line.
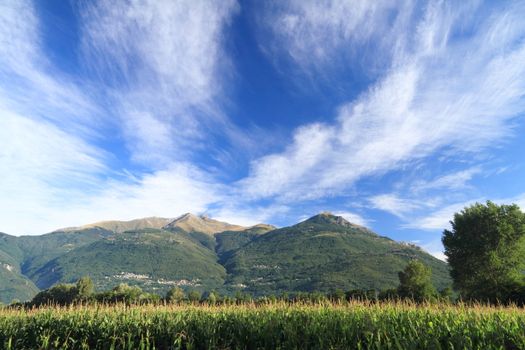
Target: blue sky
394	114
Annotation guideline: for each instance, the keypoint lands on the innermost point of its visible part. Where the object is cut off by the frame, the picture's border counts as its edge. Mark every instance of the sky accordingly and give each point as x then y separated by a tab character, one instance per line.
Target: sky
393	114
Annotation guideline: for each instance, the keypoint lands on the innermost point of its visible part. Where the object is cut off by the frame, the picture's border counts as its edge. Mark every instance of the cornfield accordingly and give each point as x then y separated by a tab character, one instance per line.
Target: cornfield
355	325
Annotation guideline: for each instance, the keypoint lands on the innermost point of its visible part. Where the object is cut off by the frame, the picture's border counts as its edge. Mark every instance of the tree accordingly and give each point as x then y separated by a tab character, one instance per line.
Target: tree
337	296
59	294
486	252
194	296
85	287
415	283
124	293
212	298
175	295
445	294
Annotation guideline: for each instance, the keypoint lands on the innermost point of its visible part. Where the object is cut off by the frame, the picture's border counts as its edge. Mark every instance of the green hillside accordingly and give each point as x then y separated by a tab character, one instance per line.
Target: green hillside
229	241
38	250
156	260
13	284
322	253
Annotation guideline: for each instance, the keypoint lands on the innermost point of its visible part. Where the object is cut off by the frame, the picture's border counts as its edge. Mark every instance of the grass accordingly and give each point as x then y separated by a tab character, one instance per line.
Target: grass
356	325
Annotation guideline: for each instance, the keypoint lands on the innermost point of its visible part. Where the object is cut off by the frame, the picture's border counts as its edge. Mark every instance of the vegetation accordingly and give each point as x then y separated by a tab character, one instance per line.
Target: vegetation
288	288
356	325
323	254
486	252
415	283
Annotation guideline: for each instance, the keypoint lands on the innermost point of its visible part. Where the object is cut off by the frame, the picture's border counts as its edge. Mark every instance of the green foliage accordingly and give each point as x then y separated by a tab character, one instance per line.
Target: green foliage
361	294
194	296
274	326
229	241
415	282
40	250
486	252
146	256
323	254
446	294
175	295
13	284
212	298
60	294
124	293
337	296
85	287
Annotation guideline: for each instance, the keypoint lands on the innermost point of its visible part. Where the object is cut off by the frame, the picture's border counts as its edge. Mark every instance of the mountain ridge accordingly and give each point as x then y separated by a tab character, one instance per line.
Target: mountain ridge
321	253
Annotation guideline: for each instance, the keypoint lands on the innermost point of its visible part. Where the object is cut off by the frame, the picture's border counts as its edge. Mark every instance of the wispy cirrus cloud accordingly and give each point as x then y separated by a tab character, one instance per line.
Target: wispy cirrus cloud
47	124
445	93
56	172
393	204
31	84
437	220
319	36
440	219
123	139
452	181
166	68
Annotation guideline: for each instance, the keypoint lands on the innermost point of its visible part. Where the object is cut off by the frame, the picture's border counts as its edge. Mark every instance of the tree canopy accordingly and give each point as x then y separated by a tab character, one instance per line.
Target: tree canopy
486	252
415	282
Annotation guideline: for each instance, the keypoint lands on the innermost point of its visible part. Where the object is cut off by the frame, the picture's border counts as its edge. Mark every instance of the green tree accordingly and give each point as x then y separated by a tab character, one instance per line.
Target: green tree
415	282
194	296
486	252
85	288
337	296
60	294
445	294
175	295
212	298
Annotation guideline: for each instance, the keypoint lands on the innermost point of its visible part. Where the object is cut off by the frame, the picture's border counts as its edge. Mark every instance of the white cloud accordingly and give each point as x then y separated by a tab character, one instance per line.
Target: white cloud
168	64
353	218
168	193
395	205
314	34
163	71
42	167
440	95
53	174
452	181
29	82
239	214
440	219
46	122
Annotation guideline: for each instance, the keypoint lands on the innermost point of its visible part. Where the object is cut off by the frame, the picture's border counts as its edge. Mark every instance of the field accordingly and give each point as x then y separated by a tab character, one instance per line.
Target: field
355	325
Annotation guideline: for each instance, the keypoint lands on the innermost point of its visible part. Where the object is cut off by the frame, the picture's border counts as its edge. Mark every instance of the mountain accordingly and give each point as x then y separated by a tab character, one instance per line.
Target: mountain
152	258
322	253
192	223
122	226
13	284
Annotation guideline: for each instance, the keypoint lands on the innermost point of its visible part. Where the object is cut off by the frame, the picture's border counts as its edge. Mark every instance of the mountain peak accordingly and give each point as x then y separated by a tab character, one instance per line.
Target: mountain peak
186	216
326	217
202	223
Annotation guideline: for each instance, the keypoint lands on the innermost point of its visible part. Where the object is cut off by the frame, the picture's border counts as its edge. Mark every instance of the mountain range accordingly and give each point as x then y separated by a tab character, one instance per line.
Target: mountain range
322	253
